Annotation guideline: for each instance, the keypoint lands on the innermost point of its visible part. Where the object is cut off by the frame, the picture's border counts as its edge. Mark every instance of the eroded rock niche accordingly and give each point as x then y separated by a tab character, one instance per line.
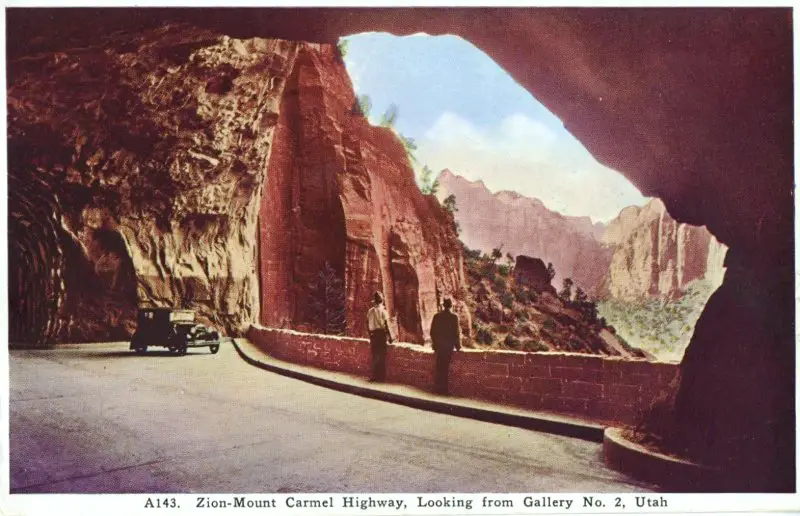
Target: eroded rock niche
341	192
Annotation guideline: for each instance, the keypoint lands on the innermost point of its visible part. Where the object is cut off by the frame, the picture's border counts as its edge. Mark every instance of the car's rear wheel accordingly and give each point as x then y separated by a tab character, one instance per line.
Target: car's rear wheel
214	349
140	349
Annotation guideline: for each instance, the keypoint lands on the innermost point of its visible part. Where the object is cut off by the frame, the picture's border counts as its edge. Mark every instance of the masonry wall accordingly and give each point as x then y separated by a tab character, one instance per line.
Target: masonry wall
603	389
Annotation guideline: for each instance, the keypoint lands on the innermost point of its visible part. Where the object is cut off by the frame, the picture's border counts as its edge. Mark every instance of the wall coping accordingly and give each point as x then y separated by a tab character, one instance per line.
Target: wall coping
496	352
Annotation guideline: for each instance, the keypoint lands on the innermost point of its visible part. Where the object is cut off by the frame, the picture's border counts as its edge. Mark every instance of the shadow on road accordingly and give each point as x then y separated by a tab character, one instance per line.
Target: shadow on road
132	354
106	354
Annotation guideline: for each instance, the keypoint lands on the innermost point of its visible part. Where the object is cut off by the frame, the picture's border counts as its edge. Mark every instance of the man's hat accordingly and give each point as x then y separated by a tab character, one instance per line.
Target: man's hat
447	303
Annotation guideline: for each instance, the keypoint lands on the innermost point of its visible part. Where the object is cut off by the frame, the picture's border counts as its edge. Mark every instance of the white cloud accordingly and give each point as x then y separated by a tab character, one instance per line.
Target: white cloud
527	156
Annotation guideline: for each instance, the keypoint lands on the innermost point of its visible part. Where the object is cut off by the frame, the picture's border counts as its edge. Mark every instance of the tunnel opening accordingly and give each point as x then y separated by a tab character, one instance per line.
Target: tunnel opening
69	279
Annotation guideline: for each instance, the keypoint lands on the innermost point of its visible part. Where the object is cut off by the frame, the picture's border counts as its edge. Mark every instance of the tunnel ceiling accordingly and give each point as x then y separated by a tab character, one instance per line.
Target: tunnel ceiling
692	105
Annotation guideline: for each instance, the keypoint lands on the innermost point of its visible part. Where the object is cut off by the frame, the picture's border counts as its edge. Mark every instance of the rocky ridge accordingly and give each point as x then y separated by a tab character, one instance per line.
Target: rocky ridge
642	253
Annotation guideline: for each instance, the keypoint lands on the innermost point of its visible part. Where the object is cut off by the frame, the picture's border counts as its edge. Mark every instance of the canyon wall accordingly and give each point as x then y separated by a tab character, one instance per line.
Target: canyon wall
139	159
523	225
137	167
665	96
655	256
342	192
642	253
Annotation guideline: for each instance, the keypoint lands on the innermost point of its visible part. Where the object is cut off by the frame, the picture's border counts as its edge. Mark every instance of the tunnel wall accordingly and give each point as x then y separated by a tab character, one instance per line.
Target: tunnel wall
603	389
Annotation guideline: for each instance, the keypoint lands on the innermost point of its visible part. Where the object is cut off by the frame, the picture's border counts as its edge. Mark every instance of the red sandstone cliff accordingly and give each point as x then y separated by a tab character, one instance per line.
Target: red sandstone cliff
642	253
341	191
658	257
138	160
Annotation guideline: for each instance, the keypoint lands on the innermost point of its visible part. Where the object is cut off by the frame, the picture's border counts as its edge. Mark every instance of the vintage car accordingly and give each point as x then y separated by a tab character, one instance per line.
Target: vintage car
173	329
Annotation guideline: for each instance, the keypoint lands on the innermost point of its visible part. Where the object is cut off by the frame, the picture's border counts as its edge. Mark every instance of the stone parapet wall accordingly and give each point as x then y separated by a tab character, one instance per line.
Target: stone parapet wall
603	389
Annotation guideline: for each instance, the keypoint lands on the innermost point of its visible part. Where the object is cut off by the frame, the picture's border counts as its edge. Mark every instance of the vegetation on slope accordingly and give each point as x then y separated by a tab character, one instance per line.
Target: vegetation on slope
661	327
510	315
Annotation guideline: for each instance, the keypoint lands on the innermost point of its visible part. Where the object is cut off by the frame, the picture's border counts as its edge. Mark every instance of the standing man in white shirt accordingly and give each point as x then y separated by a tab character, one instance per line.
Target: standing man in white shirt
379	337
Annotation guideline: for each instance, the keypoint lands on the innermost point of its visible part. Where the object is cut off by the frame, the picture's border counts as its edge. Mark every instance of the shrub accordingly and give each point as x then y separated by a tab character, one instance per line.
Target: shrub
342	47
507	300
488	271
484	336
500	284
534	345
549	324
521	315
512	342
473	254
503	270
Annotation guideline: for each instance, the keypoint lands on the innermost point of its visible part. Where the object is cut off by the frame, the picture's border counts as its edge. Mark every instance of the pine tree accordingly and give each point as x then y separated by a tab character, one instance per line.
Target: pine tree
389	117
551	272
327	302
427	184
497	253
566	292
449	203
364	105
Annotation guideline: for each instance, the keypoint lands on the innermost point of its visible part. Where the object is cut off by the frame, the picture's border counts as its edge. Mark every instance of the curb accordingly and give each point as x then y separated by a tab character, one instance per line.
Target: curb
671	473
586	432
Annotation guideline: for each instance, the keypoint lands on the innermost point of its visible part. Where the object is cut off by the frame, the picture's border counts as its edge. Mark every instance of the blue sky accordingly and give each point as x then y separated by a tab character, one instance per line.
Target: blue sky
468	115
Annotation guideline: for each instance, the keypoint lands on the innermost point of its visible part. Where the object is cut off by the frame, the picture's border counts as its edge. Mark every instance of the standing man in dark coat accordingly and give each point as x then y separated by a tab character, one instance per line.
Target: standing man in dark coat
379	336
446	336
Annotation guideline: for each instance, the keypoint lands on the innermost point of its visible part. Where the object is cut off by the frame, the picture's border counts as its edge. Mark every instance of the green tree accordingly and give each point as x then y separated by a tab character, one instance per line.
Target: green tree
327	302
580	296
364	105
449	203
410	146
510	259
427	184
342	47
566	292
497	253
389	117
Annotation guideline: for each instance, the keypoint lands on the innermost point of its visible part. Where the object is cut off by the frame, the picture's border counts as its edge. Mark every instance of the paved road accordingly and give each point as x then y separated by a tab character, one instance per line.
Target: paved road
97	418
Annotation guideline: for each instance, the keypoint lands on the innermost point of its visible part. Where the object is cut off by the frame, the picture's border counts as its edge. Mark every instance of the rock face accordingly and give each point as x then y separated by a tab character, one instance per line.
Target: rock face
158	207
658	257
531	272
137	168
341	191
643	253
139	159
647	104
523	225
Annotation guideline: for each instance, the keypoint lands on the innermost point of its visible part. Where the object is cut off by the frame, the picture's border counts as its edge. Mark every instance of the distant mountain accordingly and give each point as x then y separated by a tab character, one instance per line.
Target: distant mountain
642	254
657	257
524	225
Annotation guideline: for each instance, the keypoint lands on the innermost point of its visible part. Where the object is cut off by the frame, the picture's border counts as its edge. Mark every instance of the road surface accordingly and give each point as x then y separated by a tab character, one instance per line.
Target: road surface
101	419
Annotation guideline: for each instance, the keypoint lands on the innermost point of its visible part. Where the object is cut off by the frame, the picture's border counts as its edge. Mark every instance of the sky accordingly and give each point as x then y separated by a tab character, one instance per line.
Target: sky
467	114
